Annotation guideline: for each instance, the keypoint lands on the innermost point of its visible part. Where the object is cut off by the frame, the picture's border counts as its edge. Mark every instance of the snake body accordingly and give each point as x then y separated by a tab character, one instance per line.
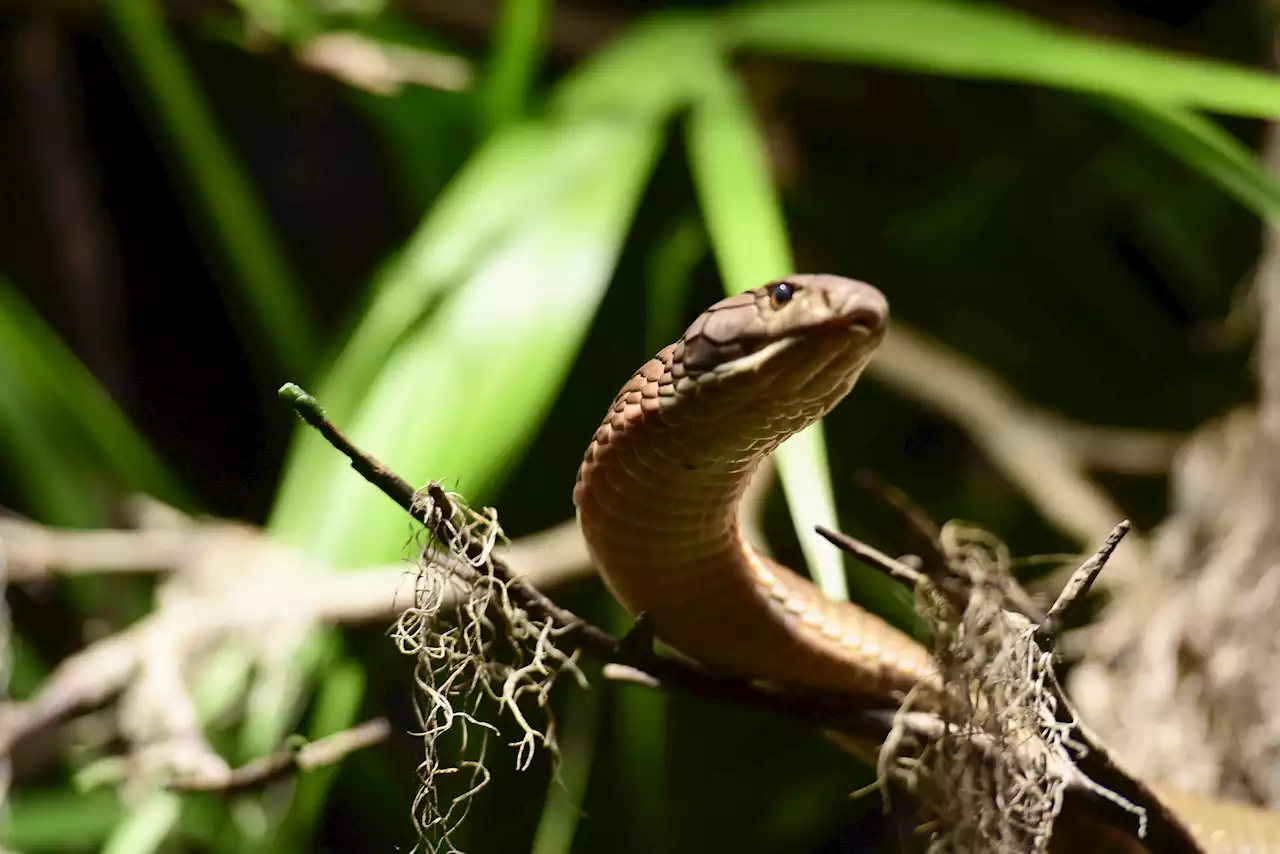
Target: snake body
658	492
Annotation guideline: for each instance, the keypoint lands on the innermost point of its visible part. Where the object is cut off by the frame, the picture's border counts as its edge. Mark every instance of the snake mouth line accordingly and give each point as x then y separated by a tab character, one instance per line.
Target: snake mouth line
762	353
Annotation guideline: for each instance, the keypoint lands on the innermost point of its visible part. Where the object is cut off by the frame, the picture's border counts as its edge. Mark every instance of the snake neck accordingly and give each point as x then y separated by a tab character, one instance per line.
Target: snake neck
656	505
658	498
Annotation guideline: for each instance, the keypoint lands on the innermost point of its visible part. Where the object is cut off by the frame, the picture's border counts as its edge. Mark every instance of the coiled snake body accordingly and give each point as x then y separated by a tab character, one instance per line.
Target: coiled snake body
658	492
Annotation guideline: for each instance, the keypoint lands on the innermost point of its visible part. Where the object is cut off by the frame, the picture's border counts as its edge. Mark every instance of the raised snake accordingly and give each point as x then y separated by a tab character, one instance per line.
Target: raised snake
658	491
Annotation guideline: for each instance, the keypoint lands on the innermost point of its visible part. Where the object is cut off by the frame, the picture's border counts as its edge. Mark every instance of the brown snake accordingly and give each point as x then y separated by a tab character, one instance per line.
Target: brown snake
658	492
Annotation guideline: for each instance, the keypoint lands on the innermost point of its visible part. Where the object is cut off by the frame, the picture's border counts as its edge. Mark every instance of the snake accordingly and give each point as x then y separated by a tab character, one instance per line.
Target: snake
658	492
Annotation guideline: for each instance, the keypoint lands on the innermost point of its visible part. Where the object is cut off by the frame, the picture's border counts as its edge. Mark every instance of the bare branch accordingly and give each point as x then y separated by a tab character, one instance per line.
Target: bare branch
288	762
273	583
871	556
1081	580
832	708
36	551
381	67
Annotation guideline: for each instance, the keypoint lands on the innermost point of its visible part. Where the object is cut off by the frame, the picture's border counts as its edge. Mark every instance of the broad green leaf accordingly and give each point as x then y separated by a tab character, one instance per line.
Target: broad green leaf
464	392
273	312
471	329
501	196
749	238
1207	148
658	66
986	41
489	209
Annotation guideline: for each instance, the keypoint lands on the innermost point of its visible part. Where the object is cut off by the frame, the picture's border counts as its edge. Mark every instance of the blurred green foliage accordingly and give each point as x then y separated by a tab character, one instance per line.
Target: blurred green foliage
1051	202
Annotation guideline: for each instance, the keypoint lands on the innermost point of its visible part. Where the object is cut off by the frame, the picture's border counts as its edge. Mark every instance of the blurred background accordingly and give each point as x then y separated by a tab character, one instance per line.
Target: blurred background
462	224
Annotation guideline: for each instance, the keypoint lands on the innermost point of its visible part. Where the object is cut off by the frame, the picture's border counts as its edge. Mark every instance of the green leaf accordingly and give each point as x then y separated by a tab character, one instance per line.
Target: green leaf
508	194
578	741
1205	147
460	392
56	418
990	42
651	70
471	329
669	278
272	310
516	58
145	829
464	392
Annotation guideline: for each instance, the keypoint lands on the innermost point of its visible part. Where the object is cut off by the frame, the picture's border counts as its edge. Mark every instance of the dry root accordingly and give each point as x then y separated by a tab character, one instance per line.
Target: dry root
993	768
473	645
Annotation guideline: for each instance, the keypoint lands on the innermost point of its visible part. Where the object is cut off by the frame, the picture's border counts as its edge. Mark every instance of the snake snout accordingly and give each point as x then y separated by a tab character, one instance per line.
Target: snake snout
866	308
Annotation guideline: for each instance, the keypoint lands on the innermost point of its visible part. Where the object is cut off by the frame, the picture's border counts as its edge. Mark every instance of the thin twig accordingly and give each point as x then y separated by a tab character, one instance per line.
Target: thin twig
1081	580
383	67
289	761
871	556
924	536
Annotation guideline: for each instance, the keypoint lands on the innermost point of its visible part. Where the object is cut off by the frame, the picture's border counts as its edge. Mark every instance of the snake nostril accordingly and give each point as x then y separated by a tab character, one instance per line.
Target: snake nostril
868	317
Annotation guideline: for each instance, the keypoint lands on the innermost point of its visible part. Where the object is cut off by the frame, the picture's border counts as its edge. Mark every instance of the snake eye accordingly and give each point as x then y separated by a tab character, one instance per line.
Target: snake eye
780	294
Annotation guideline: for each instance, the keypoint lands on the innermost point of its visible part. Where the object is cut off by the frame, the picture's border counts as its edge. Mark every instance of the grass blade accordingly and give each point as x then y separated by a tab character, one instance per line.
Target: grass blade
1206	147
990	42
517	56
273	311
749	238
669	277
57	418
579	740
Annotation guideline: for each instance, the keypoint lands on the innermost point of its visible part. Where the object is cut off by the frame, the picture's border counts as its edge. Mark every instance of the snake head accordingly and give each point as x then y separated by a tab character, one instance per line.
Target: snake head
828	315
756	367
